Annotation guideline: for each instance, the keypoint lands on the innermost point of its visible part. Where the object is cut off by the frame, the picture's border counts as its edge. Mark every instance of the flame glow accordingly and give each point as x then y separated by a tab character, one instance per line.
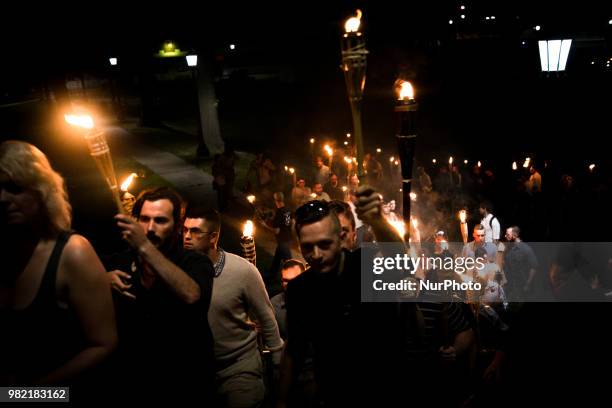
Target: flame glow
415	222
413	196
126	183
592	167
251	198
83	121
399	226
352	24
462	216
406	91
527	161
391	159
328	150
286	168
247	229
514	166
479	164
378	150
348	160
434	161
312	140
450	160
291	170
344	188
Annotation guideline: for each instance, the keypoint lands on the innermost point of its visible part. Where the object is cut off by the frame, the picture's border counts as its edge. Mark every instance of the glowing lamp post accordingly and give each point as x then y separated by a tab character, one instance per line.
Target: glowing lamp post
354	62
99	151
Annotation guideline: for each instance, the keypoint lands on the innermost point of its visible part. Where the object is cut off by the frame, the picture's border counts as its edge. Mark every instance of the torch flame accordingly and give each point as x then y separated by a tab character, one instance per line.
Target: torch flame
312	140
391	159
313	195
413	196
479	164
591	167
526	163
344	188
462	216
352	24
399	226
251	198
126	183
406	91
328	150
434	161
247	230
286	168
396	162
83	121
450	160
514	166
415	222
291	170
348	160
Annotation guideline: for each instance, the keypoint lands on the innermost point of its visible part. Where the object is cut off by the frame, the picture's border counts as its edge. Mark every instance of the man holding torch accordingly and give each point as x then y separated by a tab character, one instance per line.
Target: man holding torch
163	295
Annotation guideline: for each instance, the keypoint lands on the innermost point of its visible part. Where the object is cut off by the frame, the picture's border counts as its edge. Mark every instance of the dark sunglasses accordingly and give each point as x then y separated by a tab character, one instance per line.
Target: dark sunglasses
312	211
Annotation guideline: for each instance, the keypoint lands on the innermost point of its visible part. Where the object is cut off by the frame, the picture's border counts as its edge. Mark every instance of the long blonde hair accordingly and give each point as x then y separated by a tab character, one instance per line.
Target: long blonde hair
28	167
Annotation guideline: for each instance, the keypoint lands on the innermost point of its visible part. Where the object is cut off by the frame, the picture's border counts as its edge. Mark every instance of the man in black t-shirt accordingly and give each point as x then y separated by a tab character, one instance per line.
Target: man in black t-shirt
361	352
162	294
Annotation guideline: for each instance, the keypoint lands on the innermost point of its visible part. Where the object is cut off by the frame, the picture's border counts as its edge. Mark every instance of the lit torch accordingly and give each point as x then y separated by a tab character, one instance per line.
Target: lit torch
406	109
251	199
354	61
514	166
99	151
293	175
330	153
463	225
247	241
127	199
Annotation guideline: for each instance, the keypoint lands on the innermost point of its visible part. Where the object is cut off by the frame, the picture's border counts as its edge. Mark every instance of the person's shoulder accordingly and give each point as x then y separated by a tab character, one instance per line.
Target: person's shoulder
188	259
78	249
239	263
301	281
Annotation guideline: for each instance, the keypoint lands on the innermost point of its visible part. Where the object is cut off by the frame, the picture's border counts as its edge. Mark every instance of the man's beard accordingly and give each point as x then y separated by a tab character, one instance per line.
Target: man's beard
164	245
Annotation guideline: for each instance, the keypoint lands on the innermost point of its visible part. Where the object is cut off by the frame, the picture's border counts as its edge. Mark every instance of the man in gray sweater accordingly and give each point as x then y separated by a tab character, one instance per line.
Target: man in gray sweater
239	299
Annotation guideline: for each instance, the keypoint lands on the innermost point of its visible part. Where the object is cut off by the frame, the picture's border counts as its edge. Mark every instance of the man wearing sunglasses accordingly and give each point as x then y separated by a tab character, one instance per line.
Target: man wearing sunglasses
324	306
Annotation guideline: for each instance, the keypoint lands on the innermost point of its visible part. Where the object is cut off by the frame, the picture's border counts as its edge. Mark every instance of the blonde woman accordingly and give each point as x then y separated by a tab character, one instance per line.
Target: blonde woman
56	310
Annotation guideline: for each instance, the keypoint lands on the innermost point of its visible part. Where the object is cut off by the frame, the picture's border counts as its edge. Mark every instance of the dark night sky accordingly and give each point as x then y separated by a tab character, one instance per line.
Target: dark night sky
471	91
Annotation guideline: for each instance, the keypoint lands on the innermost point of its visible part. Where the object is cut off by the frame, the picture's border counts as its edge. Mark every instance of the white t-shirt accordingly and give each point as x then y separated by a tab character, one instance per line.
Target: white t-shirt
492	229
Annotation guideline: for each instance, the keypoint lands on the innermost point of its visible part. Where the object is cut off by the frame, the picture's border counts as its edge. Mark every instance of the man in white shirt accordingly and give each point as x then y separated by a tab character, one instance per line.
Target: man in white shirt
489	222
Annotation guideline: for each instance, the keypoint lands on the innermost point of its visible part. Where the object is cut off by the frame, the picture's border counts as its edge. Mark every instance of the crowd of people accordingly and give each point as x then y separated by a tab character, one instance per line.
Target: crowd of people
175	317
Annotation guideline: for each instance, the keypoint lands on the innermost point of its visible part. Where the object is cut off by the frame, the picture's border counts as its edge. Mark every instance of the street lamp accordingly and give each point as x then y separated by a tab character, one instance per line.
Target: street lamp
553	54
406	109
354	62
192	63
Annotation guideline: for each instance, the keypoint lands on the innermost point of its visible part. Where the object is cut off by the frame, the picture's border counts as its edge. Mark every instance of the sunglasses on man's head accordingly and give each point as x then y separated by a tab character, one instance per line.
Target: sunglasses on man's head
312	211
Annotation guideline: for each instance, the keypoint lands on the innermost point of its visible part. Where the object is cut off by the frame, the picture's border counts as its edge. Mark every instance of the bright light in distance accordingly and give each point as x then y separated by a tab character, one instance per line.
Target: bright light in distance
112	61
537	28
192	60
450	22
232	46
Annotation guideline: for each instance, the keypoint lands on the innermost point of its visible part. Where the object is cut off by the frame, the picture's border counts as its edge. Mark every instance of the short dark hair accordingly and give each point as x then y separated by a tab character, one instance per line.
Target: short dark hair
486	205
314	211
290	263
211	216
342	207
162	193
480	252
515	230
